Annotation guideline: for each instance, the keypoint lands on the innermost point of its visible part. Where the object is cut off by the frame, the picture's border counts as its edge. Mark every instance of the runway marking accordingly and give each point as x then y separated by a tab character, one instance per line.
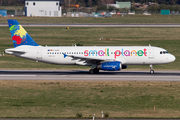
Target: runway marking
18	75
123	76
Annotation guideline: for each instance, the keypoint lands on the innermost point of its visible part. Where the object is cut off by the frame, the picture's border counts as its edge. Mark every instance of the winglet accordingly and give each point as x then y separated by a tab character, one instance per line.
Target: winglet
64	55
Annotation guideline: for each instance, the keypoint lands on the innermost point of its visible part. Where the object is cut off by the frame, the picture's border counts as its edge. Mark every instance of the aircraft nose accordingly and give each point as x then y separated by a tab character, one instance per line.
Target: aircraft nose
173	58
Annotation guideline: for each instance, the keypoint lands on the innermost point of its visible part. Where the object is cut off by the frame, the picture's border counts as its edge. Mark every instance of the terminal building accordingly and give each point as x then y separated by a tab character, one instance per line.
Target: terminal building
43	8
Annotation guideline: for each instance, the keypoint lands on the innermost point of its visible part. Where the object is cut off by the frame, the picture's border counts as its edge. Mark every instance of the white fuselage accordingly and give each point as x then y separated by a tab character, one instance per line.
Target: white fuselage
127	55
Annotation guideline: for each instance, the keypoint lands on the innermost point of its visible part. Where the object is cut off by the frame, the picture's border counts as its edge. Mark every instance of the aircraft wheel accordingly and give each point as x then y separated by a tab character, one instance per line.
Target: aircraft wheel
152	71
91	71
96	71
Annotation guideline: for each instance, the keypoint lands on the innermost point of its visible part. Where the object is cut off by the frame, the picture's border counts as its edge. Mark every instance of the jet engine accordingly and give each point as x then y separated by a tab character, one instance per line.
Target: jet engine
110	66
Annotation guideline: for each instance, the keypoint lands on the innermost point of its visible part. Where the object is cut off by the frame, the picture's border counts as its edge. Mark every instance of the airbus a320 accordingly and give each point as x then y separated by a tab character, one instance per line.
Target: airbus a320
107	58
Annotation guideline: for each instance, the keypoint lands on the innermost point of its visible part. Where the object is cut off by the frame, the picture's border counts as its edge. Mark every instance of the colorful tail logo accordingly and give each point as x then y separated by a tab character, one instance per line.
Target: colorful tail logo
19	35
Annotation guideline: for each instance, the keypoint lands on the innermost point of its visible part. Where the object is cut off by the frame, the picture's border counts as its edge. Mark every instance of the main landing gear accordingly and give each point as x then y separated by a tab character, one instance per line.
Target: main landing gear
94	71
151	69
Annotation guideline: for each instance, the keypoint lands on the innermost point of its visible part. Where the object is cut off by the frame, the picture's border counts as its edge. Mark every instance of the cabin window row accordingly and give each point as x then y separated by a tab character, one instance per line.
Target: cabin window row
88	53
65	52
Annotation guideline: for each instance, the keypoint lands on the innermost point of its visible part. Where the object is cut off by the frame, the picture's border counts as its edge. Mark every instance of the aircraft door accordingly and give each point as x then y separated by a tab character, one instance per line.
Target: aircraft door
39	54
151	53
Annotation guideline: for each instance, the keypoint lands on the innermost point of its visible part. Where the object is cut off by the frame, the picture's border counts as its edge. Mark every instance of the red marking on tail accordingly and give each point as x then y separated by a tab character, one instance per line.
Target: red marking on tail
17	39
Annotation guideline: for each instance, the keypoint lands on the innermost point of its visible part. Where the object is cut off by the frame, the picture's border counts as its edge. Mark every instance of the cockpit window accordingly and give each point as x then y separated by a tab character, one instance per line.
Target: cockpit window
163	52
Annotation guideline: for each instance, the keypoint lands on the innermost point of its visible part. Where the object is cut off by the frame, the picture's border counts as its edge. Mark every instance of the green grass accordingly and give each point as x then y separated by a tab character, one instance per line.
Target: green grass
66	99
161	19
168	38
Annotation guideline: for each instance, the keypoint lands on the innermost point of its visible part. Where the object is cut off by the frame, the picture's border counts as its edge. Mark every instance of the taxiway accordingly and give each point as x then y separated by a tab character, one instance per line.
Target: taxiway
75	75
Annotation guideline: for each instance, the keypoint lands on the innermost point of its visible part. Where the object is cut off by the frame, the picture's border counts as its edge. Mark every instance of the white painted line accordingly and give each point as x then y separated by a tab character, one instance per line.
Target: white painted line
125	76
18	75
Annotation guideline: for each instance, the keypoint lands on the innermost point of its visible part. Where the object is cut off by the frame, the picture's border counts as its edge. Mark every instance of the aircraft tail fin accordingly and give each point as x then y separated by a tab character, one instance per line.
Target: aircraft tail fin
19	35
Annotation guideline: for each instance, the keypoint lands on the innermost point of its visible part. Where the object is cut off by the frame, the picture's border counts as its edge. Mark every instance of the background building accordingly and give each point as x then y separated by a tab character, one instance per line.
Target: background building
124	4
45	8
3	13
113	5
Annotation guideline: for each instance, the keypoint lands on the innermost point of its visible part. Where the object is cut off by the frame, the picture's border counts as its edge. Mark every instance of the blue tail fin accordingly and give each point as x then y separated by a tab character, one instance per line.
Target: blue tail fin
19	35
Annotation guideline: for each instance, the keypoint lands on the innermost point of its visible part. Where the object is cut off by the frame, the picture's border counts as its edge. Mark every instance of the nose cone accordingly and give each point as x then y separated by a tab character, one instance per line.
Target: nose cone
172	58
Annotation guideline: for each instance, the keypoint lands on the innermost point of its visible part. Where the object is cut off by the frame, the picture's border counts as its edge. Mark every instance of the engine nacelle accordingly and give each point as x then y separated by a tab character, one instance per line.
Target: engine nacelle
110	66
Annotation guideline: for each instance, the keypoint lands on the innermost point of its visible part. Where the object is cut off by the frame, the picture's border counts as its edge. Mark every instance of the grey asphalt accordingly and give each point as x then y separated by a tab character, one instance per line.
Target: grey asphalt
76	75
80	119
96	25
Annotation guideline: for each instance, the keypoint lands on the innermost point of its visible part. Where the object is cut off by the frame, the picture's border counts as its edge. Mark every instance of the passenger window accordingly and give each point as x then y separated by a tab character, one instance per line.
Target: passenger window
161	52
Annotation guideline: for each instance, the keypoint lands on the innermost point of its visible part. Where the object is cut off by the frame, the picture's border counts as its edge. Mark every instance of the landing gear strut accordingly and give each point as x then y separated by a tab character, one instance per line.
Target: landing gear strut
151	69
94	71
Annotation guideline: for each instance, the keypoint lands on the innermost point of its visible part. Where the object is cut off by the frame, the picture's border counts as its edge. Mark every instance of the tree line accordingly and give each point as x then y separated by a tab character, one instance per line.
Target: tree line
163	4
11	2
90	3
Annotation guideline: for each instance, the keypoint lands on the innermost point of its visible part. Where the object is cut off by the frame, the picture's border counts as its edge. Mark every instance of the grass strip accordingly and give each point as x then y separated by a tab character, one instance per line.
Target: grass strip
64	99
127	19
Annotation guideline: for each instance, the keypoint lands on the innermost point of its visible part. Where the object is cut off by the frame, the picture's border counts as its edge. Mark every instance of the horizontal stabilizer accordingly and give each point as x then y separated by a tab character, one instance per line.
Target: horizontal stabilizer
14	51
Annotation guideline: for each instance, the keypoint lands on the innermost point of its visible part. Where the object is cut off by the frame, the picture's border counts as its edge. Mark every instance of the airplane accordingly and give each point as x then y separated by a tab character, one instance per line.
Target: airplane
107	58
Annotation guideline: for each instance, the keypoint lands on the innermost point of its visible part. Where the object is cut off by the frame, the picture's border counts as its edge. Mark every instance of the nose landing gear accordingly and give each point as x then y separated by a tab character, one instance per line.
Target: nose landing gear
151	69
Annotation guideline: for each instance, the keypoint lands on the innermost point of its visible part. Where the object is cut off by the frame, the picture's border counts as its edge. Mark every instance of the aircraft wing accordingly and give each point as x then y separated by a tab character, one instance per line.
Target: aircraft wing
88	59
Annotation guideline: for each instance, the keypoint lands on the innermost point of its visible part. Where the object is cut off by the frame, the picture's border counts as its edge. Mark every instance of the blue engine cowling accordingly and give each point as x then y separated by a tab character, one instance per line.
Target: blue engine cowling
110	66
